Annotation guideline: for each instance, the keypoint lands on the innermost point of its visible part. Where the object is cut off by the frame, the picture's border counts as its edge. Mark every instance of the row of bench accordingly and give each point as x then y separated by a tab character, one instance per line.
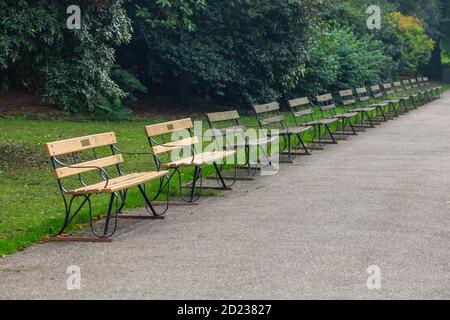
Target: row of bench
356	110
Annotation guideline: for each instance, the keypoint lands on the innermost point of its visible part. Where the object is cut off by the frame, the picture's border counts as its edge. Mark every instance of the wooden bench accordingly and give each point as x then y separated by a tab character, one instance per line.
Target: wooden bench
381	105
328	106
226	125
390	97
350	104
365	99
270	118
416	97
168	146
403	95
303	113
436	89
429	91
78	157
424	93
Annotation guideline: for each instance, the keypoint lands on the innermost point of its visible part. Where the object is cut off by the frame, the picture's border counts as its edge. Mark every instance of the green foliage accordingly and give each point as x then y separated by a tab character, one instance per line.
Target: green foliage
340	60
127	82
412	47
166	14
241	51
70	67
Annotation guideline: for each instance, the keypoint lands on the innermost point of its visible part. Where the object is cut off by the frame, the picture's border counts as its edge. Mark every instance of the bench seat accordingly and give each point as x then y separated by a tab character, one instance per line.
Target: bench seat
120	183
346	115
321	122
295	130
199	159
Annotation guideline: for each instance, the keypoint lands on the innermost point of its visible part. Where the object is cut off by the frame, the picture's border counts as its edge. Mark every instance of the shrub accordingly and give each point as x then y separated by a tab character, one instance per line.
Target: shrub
340	60
411	46
240	52
70	67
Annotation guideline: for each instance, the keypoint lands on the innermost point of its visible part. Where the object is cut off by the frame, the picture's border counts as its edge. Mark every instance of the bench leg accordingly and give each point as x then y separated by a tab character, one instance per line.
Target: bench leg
149	206
221	179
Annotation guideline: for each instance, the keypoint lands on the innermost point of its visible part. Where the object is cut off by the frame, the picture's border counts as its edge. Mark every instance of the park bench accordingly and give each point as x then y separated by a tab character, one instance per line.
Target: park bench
303	113
429	91
436	89
365	99
169	148
403	95
350	103
328	106
80	160
409	90
270	118
426	97
380	104
391	98
226	126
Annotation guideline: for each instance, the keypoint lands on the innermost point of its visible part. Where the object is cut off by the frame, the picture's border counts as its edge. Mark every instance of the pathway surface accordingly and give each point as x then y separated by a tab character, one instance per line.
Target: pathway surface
381	198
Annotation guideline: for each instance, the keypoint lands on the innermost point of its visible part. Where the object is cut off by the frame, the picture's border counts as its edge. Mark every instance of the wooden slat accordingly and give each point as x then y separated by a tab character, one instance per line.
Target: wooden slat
349	102
387	85
120	183
200	159
168	127
220	132
397	84
375	88
346	93
175	145
140	179
272	120
222	116
361	90
302	113
65	172
328	107
268	107
324	97
298	102
413	80
62	147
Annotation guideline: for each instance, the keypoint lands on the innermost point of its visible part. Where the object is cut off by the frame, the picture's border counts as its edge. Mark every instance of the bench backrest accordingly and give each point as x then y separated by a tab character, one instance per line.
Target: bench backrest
348	97
414	83
377	93
225	123
398	87
407	85
388	89
72	148
164	131
301	109
363	94
269	115
326	104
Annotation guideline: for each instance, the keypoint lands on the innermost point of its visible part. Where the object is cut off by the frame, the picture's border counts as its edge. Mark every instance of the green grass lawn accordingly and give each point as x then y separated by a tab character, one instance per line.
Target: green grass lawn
31	206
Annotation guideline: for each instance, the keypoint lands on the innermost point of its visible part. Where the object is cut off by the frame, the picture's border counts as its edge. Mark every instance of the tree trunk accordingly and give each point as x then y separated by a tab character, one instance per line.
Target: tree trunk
436	67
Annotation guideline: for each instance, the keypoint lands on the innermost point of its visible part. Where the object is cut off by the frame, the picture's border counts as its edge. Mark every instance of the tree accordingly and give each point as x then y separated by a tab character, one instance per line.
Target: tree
71	68
240	52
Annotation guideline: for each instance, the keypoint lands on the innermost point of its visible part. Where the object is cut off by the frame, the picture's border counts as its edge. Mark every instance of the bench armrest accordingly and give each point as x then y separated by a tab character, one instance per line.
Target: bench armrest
148	153
102	171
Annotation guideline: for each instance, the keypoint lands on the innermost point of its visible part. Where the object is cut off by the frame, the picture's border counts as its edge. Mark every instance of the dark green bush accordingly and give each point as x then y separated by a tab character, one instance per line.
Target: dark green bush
70	68
340	60
241	50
